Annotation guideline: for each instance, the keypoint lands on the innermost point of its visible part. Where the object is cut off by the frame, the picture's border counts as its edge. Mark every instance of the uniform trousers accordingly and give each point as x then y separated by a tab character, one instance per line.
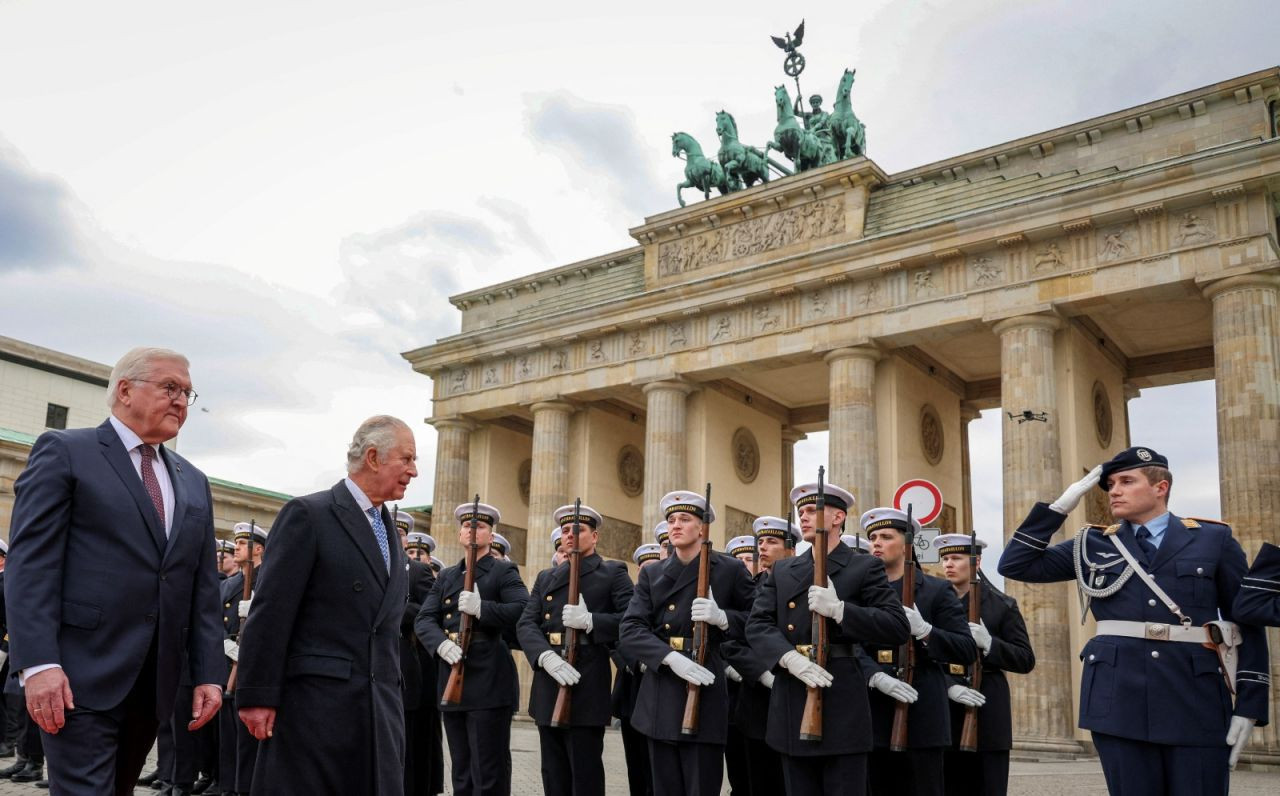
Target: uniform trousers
975	773
423	753
572	760
635	748
480	750
915	772
824	775
1138	768
735	760
765	765
686	769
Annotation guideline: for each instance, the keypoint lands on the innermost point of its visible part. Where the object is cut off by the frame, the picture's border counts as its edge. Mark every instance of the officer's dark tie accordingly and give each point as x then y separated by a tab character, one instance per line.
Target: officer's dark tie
1144	542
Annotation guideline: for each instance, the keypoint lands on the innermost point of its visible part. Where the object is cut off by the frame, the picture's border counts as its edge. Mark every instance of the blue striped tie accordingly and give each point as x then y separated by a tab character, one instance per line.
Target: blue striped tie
380	531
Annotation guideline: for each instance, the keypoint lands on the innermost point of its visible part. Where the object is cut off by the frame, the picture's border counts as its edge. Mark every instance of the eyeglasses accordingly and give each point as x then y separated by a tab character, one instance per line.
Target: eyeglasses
173	391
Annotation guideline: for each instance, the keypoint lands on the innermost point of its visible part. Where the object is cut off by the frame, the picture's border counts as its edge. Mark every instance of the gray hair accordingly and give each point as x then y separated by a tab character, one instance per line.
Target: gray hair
377	433
137	365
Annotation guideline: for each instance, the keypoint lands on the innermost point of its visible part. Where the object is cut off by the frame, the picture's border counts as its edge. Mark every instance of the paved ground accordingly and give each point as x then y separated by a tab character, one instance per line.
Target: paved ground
1078	778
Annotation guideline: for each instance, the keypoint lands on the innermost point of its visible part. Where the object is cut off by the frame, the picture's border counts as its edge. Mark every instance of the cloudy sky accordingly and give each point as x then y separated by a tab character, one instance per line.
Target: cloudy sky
288	191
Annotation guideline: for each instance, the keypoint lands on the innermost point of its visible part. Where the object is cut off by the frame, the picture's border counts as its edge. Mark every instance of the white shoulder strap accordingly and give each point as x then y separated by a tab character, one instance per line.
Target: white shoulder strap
1151	583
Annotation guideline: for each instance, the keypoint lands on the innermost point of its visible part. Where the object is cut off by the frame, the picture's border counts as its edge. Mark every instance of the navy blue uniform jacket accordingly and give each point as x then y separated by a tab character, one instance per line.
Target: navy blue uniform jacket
1178	698
1259	599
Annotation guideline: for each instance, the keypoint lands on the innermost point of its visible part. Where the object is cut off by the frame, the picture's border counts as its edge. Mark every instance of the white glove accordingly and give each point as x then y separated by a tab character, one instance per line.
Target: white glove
981	635
893	687
231	649
732	674
1071	498
243	608
687	670
449	652
805	670
706	610
577	616
560	670
766	679
966	696
919	627
824	600
1238	738
469	603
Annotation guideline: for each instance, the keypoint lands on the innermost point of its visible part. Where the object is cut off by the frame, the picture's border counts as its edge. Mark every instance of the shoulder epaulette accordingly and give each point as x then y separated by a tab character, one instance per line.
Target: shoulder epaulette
1194	522
1111	529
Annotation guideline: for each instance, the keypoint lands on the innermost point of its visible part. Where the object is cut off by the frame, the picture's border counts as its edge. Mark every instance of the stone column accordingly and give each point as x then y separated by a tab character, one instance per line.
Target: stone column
1246	370
452	485
1042	701
1131	391
789	439
664	446
548	480
968	413
852	448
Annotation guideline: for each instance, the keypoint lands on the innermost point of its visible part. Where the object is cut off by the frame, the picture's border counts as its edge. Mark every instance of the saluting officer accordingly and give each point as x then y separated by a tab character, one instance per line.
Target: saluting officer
1152	694
1259	599
1003	646
626	687
423	752
572	755
657	630
940	633
237	747
859	606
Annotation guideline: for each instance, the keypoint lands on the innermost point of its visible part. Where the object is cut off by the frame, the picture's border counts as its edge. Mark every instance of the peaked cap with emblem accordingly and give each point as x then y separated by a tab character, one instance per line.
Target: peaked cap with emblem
834	497
1129	459
688	502
243	530
775	527
486	514
586	516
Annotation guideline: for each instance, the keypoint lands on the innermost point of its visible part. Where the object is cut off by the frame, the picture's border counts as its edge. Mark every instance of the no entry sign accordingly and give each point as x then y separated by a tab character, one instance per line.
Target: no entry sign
923	496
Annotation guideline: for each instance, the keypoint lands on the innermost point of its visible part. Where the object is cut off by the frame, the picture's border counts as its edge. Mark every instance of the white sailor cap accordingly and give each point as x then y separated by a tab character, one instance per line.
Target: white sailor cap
660	532
689	502
586	516
420	541
436	564
776	527
948	543
500	542
243	530
485	513
222	545
741	544
4	548
858	543
835	497
646	552
555	538
888	518
404	522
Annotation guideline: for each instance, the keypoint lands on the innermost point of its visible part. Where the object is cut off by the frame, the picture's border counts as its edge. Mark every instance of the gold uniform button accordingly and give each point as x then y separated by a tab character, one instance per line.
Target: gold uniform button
226	605
546	616
548	598
666	626
447	601
671	607
448	616
791	627
791	604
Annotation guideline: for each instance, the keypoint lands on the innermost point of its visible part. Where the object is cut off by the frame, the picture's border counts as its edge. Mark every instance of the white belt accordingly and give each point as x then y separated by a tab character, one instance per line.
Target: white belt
1153	631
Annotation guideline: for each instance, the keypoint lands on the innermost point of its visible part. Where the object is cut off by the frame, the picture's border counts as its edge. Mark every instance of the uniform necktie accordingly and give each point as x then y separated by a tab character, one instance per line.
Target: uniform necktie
380	531
150	482
1144	542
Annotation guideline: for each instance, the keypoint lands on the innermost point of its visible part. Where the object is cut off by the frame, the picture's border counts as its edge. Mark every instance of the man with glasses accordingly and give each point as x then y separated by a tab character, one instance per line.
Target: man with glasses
112	579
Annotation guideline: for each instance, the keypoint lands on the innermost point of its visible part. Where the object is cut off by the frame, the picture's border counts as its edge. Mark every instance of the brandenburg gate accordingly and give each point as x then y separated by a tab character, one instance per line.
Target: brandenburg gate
1053	276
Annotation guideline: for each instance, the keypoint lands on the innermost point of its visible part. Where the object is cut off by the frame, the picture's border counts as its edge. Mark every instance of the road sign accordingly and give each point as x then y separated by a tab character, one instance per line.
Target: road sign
923	496
925	552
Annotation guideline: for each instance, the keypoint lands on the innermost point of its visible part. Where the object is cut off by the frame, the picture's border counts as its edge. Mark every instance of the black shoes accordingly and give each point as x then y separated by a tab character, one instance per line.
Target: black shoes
6	749
31	772
149	779
20	765
203	784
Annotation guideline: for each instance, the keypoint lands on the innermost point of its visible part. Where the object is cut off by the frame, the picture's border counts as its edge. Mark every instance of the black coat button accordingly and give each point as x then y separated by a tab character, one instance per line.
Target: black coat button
357	586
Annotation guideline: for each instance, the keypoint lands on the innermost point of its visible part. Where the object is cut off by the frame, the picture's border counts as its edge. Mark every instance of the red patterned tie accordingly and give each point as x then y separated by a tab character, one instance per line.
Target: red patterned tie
150	481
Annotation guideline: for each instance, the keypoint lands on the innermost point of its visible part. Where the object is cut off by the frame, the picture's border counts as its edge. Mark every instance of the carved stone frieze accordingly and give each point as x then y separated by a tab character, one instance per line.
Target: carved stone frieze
1117	243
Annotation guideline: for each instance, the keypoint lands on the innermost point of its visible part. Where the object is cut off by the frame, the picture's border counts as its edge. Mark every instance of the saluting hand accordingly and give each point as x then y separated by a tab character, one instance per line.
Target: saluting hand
577	616
825	601
469	603
1071	498
48	699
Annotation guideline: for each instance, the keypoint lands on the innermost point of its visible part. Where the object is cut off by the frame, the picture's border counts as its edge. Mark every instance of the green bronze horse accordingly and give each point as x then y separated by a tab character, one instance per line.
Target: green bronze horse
848	135
803	148
743	164
699	172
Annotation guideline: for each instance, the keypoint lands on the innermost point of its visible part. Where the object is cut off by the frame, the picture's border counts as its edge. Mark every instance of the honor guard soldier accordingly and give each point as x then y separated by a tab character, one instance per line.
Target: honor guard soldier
658	630
663	538
571	732
743	548
237	747
499	547
626	686
557	557
940	635
856	542
855	605
1258	602
226	559
478	724
423	748
1003	646
1153	691
419	547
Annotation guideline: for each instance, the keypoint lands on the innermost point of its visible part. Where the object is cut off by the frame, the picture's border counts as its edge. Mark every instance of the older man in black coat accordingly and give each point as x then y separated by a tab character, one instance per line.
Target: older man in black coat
319	676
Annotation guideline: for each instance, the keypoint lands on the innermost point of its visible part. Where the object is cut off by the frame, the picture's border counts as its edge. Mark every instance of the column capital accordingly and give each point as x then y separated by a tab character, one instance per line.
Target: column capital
674	385
1265	280
1131	391
553	405
853	352
968	412
790	435
451	421
1050	322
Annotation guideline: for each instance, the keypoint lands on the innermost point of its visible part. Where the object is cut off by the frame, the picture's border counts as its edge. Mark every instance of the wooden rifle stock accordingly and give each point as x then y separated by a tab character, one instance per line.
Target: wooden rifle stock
693	694
969	730
563	710
907	651
246	592
453	688
811	719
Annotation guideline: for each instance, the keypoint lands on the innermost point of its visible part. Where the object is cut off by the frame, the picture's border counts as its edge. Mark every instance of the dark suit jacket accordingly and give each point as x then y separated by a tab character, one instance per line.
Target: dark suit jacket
661	610
780	619
606	588
92	580
322	646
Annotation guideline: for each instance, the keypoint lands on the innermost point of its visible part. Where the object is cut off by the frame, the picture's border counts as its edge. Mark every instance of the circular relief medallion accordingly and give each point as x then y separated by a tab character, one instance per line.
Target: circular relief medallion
525	478
746	455
931	436
631	470
1102	414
